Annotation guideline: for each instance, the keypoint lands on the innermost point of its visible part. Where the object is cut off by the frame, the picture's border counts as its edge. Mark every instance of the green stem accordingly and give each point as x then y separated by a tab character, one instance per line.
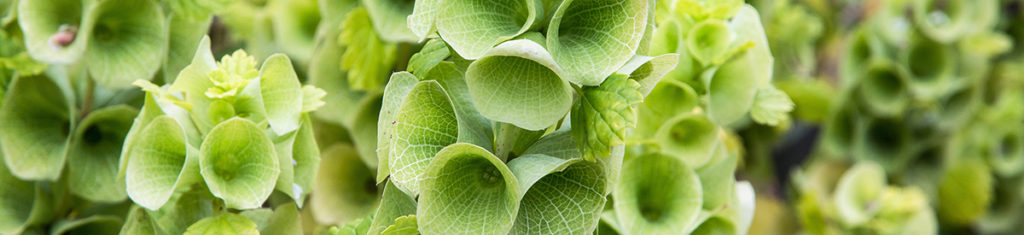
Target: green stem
87	100
511	140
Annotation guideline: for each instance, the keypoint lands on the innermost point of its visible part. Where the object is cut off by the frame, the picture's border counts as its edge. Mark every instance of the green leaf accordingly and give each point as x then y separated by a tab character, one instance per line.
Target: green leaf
225	223
159	163
657	194
472	27
405	225
425	123
466	189
281	93
771	106
128	40
397	90
239	164
393	205
344	189
518	82
94	153
390	19
591	39
561	196
356	227
36	123
421	63
602	115
367	58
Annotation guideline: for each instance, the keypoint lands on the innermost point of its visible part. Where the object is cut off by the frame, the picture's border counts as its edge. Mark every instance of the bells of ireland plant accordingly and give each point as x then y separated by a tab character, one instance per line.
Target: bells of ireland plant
226	127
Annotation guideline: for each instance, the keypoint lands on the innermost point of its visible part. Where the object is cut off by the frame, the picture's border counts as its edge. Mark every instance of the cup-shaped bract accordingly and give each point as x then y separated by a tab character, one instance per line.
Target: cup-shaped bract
295	25
398	88
299	158
518	82
238	162
23	203
883	89
55	31
471	27
931	66
859	193
94	153
692	136
159	162
424	124
948	21
127	40
36	123
561	196
390	19
730	89
466	189
886	141
345	189
657	194
591	39
667	100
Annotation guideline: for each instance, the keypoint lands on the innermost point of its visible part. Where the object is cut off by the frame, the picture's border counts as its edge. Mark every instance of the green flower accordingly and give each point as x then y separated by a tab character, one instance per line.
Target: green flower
233	73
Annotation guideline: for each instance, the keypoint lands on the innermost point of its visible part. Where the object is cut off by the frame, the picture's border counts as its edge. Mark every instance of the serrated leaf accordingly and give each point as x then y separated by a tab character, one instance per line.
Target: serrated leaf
771	106
367	58
312	98
602	115
225	223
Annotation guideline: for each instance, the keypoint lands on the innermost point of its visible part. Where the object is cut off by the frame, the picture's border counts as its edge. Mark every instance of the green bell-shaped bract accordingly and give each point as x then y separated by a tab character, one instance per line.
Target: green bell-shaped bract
138	221
23	203
345	188
472	27
364	128
518	82
159	162
425	123
55	31
97	224
730	89
183	210
931	67
886	141
561	196
947	21
693	137
94	153
397	89
668	99
883	90
716	178
960	106
36	123
859	192
863	47
466	189
224	223
390	19
299	158
657	194
295	25
239	164
648	71
474	128
841	126
280	93
127	41
591	39
186	32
